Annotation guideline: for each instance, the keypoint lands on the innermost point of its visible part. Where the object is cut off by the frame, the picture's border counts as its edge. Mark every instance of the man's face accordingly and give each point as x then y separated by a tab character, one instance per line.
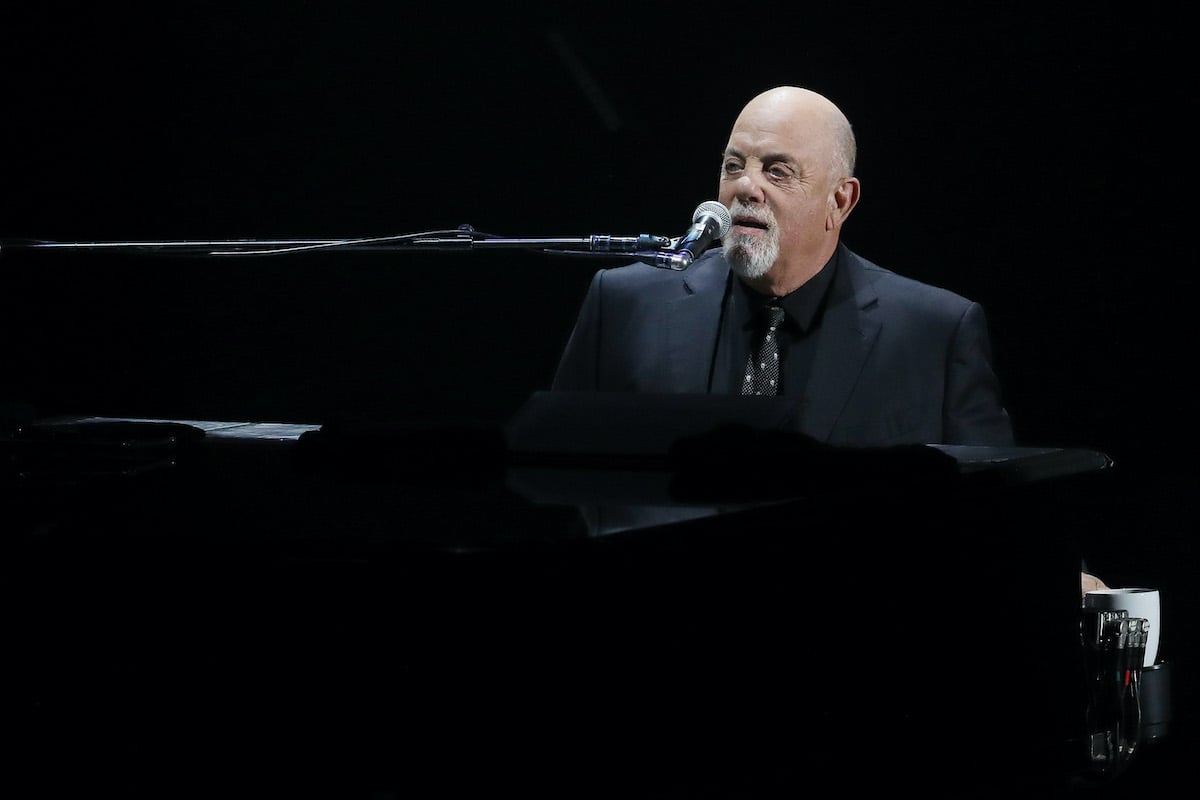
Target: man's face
775	179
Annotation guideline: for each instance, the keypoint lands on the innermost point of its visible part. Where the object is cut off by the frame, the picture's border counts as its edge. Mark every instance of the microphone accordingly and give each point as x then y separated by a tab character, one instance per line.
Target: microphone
710	221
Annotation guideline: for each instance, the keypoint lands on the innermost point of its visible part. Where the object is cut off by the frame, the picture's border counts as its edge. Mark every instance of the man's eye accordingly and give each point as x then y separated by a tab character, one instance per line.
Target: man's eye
779	173
732	166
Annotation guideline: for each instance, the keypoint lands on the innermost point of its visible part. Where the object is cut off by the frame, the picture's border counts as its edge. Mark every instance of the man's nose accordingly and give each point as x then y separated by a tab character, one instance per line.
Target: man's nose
748	186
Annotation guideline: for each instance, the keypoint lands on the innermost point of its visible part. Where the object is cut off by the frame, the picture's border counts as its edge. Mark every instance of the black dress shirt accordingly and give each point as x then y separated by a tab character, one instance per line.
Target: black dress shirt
797	336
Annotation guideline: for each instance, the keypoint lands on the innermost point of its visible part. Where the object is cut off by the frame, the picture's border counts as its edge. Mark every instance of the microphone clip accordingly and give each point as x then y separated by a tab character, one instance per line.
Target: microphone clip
667	259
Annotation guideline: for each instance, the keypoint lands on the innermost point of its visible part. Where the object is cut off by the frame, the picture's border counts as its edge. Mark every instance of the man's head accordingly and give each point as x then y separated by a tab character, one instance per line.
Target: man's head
787	176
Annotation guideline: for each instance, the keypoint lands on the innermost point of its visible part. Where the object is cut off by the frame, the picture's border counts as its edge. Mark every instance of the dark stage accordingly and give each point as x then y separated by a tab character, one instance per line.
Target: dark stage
1027	157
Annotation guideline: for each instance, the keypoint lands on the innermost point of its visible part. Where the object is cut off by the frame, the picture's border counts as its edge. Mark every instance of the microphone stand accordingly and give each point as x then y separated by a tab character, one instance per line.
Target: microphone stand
463	238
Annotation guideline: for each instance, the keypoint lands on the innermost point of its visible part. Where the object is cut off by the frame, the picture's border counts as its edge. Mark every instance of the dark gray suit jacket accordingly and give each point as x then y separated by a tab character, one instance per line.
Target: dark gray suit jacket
898	361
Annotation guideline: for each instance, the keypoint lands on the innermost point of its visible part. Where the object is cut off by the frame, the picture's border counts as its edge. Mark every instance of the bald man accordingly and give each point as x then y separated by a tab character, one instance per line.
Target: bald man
871	358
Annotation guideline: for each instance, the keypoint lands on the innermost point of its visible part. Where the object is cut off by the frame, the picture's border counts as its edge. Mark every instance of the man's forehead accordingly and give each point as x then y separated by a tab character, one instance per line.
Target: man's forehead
768	146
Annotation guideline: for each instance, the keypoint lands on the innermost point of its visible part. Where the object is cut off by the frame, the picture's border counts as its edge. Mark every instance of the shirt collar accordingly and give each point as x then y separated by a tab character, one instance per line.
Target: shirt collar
803	304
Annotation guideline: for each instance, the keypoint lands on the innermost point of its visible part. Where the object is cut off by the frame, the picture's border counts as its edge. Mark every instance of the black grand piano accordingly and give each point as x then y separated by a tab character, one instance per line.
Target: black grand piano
608	596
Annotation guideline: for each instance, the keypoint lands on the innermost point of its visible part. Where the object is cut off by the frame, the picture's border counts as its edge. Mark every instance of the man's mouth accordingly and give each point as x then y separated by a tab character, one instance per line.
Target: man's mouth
749	222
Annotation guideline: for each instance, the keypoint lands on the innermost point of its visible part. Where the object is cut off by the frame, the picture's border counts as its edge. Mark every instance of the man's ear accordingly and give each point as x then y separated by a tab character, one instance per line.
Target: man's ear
844	199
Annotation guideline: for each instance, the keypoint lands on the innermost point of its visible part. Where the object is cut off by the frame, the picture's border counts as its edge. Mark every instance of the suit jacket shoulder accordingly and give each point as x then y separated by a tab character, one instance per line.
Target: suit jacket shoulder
646	329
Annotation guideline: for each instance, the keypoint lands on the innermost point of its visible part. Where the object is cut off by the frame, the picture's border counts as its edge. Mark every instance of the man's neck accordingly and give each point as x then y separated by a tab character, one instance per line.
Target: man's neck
785	277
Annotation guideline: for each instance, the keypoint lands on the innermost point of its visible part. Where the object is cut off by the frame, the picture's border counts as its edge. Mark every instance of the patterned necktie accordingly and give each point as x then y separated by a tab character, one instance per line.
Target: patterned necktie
762	370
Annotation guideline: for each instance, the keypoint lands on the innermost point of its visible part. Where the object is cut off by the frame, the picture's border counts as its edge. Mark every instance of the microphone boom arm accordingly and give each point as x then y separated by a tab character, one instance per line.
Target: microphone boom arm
463	238
710	222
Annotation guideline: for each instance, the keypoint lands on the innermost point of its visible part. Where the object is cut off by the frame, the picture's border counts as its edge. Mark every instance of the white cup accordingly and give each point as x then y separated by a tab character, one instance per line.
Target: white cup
1137	602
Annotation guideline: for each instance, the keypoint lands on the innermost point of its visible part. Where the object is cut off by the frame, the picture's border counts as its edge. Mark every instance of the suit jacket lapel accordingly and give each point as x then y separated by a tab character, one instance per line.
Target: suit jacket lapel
694	323
848	332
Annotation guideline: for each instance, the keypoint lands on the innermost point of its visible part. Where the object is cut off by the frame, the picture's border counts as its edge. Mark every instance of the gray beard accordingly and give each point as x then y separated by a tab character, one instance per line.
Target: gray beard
752	257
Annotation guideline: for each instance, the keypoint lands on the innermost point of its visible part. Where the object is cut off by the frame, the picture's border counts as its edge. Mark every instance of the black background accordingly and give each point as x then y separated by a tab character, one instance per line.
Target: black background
1035	160
1035	157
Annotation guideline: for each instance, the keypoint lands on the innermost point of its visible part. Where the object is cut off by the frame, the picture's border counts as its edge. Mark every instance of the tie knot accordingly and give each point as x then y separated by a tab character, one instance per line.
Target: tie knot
773	314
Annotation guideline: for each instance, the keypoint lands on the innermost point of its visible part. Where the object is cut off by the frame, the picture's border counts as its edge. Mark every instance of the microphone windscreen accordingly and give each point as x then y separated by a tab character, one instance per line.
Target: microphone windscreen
711	208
